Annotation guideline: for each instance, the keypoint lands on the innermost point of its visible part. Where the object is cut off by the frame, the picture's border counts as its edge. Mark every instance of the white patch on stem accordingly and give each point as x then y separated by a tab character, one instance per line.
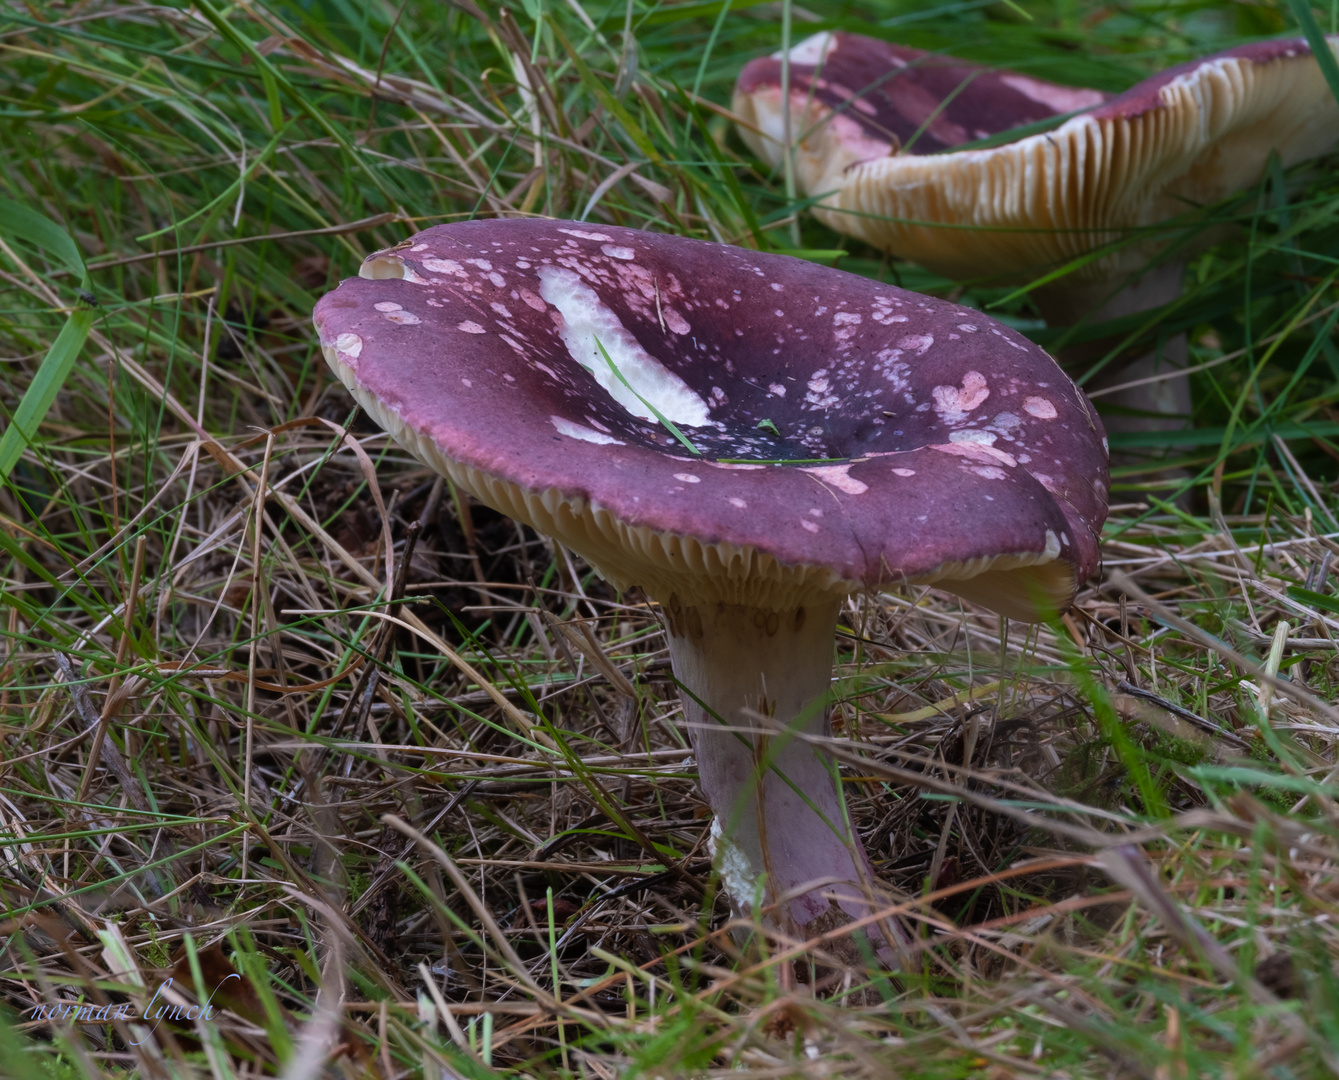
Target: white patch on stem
738	877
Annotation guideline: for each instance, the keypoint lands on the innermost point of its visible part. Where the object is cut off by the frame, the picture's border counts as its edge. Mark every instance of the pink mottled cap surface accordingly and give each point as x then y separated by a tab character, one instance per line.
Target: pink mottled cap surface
876	127
920	441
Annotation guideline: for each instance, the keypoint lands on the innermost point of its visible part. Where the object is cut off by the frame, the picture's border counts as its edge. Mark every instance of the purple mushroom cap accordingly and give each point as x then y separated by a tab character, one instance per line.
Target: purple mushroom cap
1188	137
908	100
849	434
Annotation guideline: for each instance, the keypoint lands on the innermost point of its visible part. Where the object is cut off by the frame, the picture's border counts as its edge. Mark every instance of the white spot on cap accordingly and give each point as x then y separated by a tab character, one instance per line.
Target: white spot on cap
904	472
1040	407
402	318
985	438
919	344
812	50
976	451
738	504
349	345
674	320
585	434
882	316
619	252
470	327
953	404
808	526
598	237
586	319
386	305
837	476
1052	545
844	325
532	300
687	478
442	266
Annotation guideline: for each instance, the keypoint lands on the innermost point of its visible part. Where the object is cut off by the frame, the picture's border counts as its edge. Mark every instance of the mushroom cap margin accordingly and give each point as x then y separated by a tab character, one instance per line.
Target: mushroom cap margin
721	560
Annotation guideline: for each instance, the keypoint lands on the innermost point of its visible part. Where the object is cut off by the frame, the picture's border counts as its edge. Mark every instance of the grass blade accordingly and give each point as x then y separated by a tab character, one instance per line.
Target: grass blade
39	230
1320	46
41	393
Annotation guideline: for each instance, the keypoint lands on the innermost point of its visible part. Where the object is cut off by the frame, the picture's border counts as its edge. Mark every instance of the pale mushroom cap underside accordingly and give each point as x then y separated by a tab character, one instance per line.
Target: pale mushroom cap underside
1186	138
922	441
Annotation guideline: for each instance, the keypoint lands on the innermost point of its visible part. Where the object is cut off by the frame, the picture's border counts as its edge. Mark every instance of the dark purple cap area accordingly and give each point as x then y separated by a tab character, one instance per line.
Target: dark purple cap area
955	438
893	92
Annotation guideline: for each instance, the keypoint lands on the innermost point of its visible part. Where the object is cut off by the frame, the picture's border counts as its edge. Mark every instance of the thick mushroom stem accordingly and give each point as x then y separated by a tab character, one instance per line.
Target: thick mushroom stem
781	838
1163	405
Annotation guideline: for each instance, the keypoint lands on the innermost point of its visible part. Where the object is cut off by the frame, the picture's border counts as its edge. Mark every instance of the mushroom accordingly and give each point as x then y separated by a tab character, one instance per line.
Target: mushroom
749	438
878	126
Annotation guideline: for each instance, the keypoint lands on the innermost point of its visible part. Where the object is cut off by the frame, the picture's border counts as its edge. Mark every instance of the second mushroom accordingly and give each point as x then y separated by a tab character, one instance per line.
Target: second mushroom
884	138
749	439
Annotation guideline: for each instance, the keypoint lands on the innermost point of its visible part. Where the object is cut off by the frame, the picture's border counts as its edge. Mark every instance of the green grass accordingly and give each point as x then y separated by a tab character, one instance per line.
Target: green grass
193	570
